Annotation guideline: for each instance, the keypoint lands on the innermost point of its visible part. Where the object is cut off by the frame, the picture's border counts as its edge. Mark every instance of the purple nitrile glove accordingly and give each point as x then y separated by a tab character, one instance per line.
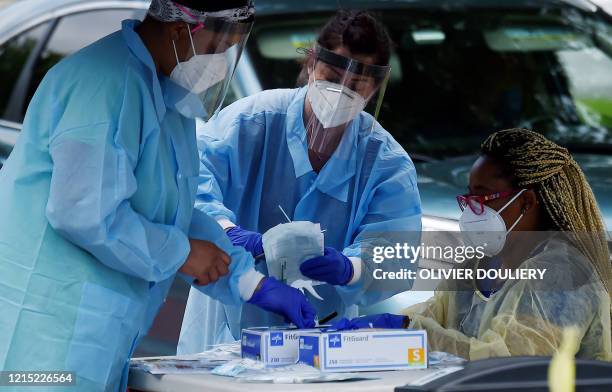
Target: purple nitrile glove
333	267
276	297
249	240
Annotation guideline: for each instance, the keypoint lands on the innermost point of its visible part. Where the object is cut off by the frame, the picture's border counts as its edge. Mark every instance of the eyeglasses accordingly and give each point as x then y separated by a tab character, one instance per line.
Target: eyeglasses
476	202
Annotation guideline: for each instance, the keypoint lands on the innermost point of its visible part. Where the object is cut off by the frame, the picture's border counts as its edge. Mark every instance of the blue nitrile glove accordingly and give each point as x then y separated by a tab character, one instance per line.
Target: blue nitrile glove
249	240
384	320
277	297
333	267
340	325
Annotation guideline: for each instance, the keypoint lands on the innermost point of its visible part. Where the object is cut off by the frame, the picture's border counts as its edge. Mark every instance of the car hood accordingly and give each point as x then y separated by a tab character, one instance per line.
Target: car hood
439	183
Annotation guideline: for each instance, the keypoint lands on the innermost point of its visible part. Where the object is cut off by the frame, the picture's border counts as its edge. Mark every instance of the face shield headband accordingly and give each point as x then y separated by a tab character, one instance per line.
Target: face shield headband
170	11
378	72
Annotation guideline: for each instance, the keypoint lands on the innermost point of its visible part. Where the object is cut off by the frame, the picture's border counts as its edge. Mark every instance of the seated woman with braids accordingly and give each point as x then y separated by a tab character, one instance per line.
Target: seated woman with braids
540	197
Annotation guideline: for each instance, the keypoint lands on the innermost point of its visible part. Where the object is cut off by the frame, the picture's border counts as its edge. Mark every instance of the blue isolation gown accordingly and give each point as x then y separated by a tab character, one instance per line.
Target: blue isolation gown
254	158
97	202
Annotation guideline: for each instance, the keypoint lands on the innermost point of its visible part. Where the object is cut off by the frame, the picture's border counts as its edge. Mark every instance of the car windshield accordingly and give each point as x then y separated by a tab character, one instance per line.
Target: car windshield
458	76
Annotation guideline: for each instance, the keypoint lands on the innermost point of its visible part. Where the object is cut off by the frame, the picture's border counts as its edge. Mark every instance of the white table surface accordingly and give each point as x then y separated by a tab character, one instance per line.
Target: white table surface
143	381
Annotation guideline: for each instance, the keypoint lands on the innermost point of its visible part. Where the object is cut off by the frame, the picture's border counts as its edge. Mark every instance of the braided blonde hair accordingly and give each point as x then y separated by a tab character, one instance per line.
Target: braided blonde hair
561	187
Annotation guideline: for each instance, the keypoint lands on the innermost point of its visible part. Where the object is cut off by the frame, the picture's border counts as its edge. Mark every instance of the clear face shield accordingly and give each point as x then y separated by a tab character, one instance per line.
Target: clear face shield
215	48
339	89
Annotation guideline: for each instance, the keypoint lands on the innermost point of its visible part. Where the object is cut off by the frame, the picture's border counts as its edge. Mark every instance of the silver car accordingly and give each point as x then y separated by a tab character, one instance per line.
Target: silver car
461	69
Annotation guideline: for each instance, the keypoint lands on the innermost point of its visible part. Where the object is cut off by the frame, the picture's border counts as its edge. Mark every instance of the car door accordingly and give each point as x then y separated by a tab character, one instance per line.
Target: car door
26	58
16	54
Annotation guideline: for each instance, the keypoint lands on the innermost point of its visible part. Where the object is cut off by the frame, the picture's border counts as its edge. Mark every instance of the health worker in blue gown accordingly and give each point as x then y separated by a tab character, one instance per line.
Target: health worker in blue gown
318	155
97	197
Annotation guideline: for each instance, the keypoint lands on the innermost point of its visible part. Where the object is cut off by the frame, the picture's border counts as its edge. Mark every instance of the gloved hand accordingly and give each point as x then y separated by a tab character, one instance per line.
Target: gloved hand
249	240
384	320
275	296
333	267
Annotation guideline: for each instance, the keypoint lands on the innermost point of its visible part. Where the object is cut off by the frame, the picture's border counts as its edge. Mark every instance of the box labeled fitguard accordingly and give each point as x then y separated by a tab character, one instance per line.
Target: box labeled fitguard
272	346
364	350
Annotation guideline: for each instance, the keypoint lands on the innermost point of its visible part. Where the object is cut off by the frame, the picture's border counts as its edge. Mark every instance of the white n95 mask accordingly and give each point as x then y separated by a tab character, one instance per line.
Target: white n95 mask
487	230
334	104
200	72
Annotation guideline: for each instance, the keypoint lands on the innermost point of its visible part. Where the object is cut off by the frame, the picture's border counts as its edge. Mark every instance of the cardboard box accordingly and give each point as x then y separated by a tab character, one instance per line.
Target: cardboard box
273	346
364	350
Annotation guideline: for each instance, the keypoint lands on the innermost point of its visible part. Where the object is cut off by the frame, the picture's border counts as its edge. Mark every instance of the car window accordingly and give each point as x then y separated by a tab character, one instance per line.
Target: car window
14	55
74	32
457	77
588	71
276	51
